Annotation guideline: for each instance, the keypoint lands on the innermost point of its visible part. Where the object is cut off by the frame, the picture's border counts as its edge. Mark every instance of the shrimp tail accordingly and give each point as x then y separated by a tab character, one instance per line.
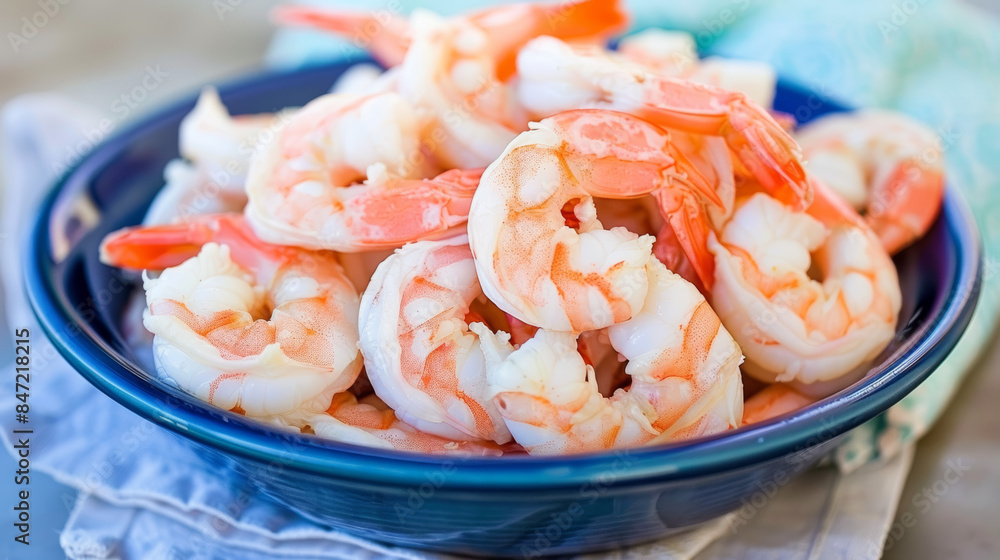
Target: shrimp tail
760	143
651	159
578	20
831	208
164	246
886	165
669	251
156	247
385	36
459	183
907	205
584	18
770	154
679	185
689	224
385	215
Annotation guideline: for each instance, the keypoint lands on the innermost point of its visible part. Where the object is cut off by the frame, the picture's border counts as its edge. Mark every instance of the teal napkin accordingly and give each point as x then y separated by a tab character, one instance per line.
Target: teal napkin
935	60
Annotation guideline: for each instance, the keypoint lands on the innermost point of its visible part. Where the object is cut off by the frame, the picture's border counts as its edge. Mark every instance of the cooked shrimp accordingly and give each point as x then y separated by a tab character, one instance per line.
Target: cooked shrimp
371	423
683	364
222	144
643	216
668	250
773	401
419	354
594	347
818	336
887	165
264	330
218	149
449	72
555	76
305	187
455	68
541	253
364	79
506	28
383	34
189	190
674	54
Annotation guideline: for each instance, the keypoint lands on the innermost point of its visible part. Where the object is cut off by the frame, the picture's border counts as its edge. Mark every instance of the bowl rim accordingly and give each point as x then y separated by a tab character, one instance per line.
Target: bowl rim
233	435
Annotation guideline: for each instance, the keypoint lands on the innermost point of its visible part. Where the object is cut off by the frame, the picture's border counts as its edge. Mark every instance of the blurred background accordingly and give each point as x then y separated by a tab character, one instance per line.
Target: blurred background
99	51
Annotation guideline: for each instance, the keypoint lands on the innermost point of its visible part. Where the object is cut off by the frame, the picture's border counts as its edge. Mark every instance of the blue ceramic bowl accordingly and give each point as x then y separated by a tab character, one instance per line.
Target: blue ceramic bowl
517	506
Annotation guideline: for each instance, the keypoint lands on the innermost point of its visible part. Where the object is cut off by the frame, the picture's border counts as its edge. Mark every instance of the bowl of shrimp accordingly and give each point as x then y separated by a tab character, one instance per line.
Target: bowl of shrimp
508	292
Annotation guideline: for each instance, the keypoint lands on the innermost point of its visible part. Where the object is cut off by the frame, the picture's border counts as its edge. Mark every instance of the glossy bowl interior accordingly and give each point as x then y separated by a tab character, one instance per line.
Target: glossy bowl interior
509	506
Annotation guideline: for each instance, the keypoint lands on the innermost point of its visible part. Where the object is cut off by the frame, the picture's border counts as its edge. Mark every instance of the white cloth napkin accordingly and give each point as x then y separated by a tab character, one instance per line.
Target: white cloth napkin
145	494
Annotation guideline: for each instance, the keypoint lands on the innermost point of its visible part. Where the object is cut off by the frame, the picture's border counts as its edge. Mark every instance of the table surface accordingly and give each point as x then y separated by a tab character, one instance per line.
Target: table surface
80	52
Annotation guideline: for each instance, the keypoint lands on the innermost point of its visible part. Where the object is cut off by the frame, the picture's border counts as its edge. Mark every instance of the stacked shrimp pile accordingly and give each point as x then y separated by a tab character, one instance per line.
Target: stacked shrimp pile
515	240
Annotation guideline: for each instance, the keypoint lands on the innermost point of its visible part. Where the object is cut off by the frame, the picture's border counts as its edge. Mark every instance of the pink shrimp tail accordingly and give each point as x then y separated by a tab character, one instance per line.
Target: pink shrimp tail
767	152
907	205
414	209
460	185
784	120
581	20
384	35
675	182
760	143
771	402
163	246
387	37
831	208
689	233
668	250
